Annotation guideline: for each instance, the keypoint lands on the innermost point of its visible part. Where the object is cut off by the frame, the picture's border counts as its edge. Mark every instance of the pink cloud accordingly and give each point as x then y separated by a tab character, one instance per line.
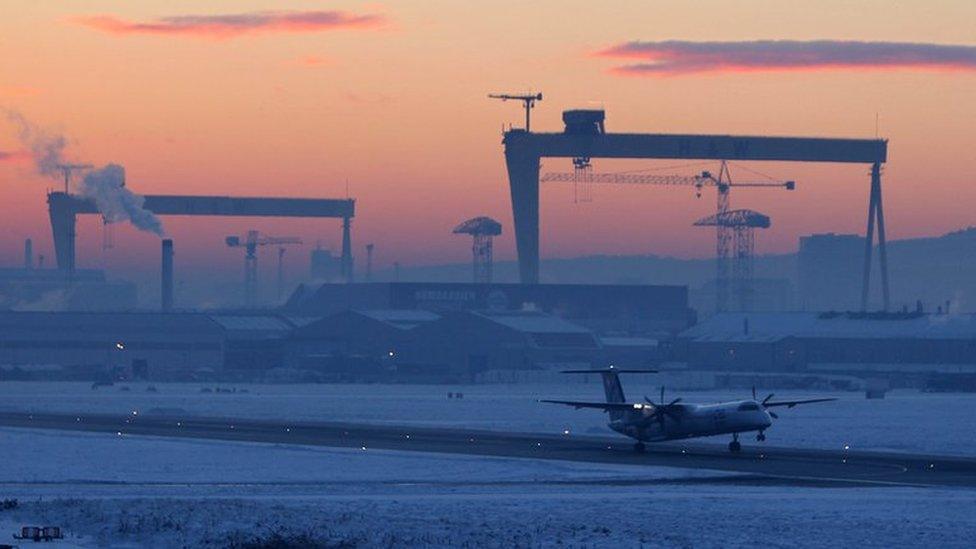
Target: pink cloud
675	57
234	25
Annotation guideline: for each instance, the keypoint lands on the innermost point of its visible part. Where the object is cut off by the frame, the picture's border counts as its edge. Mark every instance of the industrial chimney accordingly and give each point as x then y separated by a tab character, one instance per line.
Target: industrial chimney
28	254
167	281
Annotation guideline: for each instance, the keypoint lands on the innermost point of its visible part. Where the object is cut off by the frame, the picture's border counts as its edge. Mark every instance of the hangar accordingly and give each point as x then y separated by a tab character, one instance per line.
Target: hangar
85	344
469	345
605	309
910	344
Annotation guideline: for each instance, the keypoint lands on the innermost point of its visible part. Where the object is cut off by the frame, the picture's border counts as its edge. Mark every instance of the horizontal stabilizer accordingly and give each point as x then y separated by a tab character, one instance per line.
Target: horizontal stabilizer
608	371
600	405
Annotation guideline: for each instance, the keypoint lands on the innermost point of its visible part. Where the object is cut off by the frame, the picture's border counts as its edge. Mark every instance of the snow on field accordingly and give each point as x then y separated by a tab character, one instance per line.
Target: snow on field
135	491
905	421
673	517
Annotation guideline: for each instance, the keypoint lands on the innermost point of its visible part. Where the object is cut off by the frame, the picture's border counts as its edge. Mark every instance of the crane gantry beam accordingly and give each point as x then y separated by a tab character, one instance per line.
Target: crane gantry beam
64	209
706	179
524	151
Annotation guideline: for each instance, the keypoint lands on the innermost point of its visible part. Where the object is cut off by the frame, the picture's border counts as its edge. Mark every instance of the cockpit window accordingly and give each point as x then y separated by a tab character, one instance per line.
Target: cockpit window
748	407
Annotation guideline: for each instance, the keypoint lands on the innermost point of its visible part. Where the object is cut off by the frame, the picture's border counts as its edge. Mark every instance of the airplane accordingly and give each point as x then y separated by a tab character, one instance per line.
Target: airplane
650	422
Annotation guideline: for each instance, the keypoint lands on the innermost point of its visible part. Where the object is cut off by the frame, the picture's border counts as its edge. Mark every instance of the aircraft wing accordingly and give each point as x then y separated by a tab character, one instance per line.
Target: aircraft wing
599	405
792	403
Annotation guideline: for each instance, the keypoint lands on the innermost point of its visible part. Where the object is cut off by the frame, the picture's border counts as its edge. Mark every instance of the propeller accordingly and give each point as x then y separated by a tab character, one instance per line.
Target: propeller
764	401
661	409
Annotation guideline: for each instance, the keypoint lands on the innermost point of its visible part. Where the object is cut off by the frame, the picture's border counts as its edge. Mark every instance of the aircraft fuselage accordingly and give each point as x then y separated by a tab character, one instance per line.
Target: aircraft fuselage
693	420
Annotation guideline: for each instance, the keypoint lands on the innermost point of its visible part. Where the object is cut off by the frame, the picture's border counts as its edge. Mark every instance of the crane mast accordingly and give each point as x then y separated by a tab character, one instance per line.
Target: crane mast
250	242
722	181
528	100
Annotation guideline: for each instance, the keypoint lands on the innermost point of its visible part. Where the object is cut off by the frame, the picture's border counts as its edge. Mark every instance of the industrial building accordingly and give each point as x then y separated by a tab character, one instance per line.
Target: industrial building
254	342
163	346
53	290
903	345
767	295
605	309
89	345
354	345
830	269
471	345
423	346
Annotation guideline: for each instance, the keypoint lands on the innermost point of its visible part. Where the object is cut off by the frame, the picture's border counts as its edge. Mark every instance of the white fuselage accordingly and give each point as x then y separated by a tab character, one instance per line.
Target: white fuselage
693	420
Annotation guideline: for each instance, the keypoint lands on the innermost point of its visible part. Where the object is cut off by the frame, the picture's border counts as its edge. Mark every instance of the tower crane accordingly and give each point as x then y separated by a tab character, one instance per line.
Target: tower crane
250	243
527	99
742	223
723	185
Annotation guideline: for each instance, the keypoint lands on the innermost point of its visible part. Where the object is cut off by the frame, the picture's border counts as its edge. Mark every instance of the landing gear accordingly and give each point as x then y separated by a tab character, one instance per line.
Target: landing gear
734	446
639	447
761	437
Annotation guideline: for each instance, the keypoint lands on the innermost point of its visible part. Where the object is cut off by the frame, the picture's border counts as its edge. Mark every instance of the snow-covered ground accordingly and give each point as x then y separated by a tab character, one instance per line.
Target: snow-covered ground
904	421
130	491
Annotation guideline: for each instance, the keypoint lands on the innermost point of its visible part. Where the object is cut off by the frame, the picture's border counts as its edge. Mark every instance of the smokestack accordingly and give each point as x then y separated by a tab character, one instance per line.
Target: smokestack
369	263
167	281
28	254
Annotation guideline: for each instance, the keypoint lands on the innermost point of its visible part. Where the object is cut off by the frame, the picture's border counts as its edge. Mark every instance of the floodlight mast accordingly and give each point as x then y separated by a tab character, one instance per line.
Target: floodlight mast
527	99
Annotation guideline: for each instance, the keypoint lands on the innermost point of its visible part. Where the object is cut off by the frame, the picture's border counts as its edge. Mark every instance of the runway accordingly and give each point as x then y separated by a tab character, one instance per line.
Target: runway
802	466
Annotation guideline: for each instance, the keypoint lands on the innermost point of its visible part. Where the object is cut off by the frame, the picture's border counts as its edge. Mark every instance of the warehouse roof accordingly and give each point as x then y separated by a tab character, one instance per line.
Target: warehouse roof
253	326
775	326
400	318
532	322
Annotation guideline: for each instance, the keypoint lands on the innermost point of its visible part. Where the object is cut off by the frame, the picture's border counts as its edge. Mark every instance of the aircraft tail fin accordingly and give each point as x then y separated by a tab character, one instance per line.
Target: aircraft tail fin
611	384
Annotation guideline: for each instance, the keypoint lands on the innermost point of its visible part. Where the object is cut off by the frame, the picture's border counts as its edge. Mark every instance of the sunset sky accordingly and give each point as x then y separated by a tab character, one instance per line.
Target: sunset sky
388	99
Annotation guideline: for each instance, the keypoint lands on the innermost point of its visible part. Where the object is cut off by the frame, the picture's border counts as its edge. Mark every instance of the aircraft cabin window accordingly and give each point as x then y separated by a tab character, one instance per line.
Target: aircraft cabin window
748	407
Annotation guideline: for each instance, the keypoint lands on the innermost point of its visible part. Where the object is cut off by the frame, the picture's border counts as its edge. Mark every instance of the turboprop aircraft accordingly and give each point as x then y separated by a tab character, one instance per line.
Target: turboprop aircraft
657	422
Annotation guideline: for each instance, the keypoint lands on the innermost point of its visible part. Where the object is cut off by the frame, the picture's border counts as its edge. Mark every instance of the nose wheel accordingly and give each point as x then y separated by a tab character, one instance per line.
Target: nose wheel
761	437
734	446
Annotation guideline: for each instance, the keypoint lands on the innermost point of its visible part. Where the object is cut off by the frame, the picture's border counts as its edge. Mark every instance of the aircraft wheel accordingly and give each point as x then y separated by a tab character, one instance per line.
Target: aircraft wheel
761	437
735	447
639	447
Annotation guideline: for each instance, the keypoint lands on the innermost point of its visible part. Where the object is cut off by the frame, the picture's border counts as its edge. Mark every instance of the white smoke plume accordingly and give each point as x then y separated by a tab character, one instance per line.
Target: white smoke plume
46	147
105	186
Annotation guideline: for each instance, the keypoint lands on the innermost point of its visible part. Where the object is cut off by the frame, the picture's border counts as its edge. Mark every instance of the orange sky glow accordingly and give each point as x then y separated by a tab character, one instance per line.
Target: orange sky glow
387	101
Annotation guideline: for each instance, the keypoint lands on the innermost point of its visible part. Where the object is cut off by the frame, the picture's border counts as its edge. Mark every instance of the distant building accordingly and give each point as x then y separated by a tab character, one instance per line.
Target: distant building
464	345
354	345
830	272
161	346
255	341
324	266
31	289
605	309
88	345
906	344
768	294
